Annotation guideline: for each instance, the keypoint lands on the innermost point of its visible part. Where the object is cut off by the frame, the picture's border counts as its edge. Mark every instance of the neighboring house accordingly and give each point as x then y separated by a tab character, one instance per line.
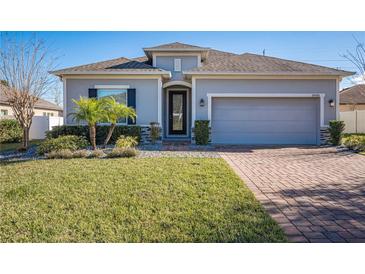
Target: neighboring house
42	108
248	98
352	98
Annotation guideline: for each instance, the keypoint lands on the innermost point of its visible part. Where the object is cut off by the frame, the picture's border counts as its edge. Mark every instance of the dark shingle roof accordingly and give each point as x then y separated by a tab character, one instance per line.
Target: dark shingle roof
353	95
214	61
253	63
121	64
41	103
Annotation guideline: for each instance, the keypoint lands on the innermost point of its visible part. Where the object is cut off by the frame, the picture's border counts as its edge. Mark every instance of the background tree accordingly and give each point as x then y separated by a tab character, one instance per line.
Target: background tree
113	112
24	66
357	58
89	110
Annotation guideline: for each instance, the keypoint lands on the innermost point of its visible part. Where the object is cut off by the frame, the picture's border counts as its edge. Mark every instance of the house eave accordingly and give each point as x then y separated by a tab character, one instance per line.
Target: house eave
214	73
165	74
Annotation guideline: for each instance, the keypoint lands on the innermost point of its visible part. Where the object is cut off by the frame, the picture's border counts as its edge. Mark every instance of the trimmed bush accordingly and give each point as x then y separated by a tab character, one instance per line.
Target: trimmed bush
126	141
336	128
101	132
355	142
123	152
83	153
70	142
60	154
10	131
97	153
201	132
155	132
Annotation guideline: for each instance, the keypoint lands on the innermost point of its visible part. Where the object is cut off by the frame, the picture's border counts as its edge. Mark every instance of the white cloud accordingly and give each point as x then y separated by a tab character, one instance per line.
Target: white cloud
358	79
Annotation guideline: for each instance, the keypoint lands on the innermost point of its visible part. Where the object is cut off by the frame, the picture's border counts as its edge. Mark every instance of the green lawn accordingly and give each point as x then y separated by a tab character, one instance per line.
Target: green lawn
129	200
14	146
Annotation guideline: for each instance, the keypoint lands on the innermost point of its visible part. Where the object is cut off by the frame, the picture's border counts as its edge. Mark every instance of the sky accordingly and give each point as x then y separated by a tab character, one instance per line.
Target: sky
322	48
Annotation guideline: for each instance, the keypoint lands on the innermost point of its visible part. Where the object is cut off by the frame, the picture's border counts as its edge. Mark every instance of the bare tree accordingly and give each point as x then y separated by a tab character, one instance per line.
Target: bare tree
24	66
357	58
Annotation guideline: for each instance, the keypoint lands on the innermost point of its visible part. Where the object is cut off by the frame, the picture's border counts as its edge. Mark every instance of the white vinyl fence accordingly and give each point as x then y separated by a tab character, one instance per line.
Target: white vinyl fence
40	124
354	121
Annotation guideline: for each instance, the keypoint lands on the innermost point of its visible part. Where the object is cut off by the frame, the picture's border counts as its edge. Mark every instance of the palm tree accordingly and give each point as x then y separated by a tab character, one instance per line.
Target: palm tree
89	110
113	112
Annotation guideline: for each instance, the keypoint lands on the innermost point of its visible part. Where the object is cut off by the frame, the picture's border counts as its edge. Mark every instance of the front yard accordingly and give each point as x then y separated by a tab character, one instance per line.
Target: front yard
129	200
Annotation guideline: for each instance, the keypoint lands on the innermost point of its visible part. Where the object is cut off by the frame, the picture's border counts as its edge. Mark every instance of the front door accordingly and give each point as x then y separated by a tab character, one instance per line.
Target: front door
177	112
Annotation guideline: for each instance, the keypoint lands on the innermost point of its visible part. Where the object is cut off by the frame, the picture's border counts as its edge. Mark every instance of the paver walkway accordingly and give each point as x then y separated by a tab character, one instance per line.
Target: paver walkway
315	194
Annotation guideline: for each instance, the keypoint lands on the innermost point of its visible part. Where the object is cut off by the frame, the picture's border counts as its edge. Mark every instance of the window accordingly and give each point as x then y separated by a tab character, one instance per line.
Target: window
120	95
4	112
48	114
177	64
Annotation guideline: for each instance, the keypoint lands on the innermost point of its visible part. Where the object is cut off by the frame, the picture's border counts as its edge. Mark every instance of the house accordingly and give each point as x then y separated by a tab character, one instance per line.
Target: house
42	107
352	98
248	98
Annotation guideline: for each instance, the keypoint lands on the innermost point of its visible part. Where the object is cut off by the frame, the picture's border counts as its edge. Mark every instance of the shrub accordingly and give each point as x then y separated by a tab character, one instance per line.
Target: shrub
201	132
155	132
97	153
355	142
70	142
60	154
123	152
101	132
83	153
336	128
10	131
126	141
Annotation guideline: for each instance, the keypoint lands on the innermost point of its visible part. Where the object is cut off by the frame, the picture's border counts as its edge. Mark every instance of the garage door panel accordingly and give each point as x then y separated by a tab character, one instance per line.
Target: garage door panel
263	126
265	120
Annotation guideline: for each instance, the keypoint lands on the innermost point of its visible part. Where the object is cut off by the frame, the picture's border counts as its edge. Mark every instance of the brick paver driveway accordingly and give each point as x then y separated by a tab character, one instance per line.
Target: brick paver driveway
315	194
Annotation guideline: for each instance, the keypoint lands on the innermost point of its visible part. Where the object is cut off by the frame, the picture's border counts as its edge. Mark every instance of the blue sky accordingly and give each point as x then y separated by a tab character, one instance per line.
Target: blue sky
323	48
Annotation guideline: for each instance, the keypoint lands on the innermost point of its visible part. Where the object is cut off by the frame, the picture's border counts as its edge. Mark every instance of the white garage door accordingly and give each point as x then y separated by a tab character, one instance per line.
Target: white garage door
265	120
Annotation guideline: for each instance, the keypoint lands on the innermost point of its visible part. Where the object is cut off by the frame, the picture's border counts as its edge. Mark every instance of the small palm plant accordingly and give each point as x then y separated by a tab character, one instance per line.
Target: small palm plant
113	112
91	111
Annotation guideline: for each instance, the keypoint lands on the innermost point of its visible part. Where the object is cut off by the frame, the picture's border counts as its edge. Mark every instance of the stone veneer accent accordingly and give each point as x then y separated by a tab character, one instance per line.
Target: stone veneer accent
324	136
193	135
145	135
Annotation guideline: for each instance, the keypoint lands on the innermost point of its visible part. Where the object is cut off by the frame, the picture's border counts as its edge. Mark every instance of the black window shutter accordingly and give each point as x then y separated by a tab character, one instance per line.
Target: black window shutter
93	93
131	98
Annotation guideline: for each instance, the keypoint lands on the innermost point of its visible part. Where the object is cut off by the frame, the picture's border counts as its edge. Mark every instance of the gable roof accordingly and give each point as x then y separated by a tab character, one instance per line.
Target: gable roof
249	63
118	65
40	104
353	95
175	46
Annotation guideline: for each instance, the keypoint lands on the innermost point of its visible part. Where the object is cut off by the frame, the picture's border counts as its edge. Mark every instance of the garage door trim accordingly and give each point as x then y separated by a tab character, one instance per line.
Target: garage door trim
269	95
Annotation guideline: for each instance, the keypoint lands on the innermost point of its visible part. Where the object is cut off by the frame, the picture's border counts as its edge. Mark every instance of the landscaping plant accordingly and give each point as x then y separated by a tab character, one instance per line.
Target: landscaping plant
123	152
91	111
201	132
97	153
70	142
155	132
336	129
60	154
10	131
113	112
126	141
355	142
101	132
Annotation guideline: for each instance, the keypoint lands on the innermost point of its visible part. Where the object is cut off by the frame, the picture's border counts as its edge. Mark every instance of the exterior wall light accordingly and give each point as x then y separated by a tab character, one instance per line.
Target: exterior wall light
202	103
331	103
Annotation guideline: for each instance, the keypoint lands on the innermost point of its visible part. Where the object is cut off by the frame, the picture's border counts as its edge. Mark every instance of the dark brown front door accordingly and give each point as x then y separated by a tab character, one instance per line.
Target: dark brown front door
177	112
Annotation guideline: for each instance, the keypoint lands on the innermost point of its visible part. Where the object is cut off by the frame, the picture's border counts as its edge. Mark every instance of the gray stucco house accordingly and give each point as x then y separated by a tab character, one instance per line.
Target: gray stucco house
248	98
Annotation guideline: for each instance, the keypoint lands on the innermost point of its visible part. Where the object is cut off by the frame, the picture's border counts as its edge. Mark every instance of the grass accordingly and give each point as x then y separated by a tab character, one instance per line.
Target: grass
13	146
129	200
